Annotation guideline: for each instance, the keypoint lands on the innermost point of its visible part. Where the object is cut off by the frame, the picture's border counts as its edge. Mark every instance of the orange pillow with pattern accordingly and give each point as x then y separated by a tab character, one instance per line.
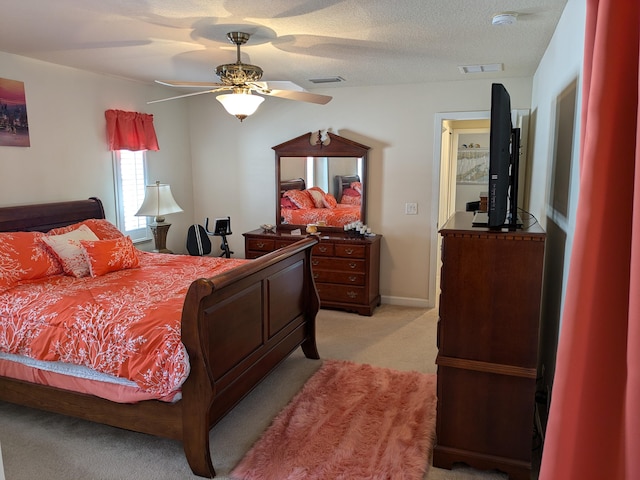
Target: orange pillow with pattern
357	186
106	256
300	198
104	229
24	257
329	201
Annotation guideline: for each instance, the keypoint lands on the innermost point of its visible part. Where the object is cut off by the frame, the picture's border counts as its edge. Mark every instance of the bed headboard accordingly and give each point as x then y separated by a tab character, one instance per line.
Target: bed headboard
343	181
45	216
294	184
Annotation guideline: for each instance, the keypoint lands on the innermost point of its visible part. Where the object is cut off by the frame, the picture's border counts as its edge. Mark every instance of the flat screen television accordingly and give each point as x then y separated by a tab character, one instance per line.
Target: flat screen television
504	149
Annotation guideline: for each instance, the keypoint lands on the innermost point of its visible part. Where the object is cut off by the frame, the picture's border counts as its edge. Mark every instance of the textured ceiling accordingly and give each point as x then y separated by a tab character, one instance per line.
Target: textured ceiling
366	42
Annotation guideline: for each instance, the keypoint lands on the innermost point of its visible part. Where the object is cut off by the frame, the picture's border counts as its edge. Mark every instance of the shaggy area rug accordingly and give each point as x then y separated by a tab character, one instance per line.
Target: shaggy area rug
350	421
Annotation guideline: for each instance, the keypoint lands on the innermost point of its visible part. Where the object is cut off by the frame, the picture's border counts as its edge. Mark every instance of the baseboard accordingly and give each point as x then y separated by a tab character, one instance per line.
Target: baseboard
407	301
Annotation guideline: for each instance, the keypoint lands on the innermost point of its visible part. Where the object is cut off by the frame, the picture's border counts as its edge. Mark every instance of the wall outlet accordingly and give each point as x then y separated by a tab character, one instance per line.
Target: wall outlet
411	208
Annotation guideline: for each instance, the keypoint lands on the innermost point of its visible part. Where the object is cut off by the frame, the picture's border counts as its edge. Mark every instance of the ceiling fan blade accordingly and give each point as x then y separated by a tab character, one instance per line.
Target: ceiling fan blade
278	85
302	96
170	83
188	95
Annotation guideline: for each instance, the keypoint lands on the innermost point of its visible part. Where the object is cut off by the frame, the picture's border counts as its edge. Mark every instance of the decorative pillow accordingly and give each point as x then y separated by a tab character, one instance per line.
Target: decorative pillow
68	250
106	256
300	198
316	194
329	201
285	202
104	229
24	257
357	186
351	197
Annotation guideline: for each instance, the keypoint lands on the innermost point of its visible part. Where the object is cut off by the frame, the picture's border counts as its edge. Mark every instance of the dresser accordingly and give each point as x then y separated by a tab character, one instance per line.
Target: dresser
346	269
489	314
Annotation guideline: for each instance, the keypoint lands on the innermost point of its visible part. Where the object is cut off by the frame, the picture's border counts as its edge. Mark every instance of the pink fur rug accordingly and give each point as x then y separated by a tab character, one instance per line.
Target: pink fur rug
349	422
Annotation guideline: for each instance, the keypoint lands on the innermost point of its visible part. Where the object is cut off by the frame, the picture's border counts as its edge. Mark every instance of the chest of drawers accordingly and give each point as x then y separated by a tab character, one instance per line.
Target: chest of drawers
346	269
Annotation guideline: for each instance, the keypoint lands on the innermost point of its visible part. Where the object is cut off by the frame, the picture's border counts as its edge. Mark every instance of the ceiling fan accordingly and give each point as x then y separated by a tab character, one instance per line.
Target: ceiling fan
243	79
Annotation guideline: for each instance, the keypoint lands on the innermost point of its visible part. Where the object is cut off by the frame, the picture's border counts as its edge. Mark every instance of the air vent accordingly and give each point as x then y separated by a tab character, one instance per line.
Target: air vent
490	67
327	80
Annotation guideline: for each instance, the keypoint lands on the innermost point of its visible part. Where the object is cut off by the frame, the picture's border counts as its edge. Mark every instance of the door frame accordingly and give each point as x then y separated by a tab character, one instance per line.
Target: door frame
520	119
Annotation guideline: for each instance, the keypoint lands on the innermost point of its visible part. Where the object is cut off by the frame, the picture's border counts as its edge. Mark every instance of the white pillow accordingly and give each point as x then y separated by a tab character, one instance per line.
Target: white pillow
317	197
68	250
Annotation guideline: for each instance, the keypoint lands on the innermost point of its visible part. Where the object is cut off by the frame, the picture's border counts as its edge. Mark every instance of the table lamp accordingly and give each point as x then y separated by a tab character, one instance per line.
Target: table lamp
158	202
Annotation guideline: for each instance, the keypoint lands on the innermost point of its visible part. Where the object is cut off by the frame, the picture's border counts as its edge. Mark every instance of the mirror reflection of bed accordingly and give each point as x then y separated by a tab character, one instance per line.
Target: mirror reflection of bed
320	183
334	207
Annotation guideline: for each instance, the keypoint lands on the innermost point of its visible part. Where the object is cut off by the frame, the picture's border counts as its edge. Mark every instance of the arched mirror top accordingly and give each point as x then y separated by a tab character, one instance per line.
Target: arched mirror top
320	179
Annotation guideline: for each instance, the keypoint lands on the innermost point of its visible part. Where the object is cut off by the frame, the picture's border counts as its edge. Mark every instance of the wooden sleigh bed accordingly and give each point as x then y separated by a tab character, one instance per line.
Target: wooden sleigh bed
272	302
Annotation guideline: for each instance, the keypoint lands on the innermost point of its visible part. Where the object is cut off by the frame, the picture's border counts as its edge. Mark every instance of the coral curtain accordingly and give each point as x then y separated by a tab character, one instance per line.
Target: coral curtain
130	131
594	423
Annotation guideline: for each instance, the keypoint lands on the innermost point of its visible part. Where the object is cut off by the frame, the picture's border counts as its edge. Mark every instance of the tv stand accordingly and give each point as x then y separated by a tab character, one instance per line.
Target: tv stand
490	291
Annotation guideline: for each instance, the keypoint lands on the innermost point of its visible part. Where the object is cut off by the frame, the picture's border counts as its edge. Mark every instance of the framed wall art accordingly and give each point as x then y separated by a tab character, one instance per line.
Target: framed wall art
14	126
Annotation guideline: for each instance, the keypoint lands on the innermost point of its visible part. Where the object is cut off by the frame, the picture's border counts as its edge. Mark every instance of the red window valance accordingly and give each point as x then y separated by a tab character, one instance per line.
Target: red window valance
130	131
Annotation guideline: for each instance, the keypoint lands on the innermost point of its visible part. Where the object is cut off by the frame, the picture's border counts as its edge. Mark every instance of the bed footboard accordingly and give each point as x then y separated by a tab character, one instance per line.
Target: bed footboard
237	327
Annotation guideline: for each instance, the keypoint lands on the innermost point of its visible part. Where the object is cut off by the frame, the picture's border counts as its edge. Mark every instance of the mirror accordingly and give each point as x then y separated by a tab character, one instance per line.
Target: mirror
320	179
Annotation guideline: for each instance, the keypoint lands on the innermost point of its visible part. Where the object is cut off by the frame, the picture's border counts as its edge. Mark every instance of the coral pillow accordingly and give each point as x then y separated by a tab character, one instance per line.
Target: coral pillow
24	257
104	229
68	250
316	194
350	197
106	256
329	201
285	202
357	186
300	198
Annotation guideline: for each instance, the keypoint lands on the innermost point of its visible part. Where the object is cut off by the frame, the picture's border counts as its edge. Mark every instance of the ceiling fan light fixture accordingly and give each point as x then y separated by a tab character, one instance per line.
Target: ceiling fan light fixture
240	104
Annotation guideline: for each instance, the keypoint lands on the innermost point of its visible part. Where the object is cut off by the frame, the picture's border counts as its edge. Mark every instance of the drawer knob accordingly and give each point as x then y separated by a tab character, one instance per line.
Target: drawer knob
349	251
322	249
352	278
260	245
315	275
353	265
352	294
314	262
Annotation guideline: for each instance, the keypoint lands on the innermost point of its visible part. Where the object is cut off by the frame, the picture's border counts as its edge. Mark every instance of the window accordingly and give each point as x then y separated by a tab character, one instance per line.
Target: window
130	179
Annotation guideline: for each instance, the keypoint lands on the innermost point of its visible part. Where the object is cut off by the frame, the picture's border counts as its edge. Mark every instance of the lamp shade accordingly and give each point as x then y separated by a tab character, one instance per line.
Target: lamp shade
240	104
158	201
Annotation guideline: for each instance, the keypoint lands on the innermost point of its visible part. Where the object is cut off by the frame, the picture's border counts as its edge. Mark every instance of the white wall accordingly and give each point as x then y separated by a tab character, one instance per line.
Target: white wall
233	163
554	166
68	157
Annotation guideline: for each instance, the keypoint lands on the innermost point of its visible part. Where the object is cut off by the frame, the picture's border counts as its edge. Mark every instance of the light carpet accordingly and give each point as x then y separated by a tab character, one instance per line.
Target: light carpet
350	421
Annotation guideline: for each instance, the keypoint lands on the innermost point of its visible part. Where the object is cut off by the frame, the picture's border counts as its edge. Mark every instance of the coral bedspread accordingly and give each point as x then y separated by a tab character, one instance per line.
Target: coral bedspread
339	216
125	323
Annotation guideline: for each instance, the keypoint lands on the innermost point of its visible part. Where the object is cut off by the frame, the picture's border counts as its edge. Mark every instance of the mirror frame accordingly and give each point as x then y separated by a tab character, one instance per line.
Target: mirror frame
338	147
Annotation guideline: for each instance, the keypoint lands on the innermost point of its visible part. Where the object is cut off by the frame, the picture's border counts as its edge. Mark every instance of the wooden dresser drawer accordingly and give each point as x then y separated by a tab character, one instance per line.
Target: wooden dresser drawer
339	264
346	270
260	244
341	293
323	249
345	278
352	251
280	243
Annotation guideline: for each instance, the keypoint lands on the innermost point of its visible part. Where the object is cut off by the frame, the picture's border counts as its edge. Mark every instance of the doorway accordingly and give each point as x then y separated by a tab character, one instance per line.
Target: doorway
450	190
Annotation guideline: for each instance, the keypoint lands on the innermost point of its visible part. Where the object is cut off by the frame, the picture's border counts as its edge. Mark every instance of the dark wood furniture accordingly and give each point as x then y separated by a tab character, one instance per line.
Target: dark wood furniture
271	304
346	269
340	157
489	309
